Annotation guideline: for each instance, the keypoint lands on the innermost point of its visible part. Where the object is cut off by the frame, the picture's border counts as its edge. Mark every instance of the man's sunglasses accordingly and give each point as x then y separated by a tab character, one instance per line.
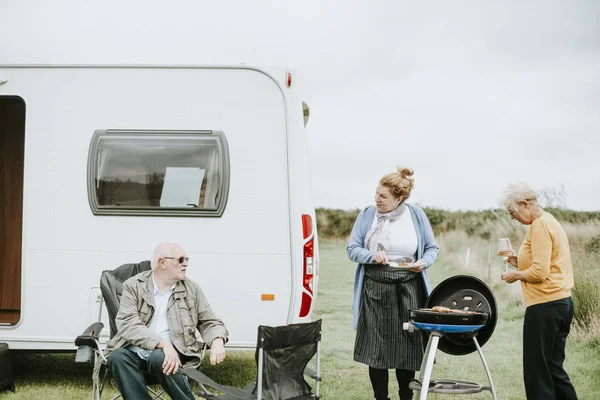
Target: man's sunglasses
180	259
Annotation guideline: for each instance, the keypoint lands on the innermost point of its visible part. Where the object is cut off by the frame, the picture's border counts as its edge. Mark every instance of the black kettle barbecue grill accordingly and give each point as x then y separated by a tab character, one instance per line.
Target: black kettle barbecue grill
463	330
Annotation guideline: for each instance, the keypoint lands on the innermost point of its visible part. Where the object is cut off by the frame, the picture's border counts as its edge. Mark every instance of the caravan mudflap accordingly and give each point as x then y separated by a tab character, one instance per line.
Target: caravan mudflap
6	374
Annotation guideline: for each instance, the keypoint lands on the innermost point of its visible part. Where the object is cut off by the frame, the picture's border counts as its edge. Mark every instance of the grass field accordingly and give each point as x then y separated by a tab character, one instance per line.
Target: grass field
58	377
345	379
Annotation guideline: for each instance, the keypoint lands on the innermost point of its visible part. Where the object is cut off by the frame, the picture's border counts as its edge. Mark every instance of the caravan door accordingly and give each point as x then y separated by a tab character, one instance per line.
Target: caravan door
12	147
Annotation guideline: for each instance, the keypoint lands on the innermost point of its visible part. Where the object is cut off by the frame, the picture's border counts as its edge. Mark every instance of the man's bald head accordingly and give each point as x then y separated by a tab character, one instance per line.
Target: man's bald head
166	250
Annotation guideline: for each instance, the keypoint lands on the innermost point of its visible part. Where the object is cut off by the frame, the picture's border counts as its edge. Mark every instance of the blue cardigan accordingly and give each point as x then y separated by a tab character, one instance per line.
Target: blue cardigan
427	250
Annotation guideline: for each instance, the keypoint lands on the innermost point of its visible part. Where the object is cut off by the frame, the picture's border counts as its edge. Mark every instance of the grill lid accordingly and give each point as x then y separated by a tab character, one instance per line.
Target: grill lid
467	293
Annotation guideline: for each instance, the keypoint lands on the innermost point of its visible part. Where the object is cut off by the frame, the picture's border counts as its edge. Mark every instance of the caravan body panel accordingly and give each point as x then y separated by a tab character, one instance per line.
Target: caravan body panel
254	247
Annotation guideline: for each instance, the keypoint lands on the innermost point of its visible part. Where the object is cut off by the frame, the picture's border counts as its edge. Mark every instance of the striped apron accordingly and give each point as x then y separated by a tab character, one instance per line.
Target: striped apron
388	295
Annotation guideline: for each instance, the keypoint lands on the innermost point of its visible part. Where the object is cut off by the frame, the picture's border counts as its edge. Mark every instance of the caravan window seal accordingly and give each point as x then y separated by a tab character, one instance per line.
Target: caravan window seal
173	173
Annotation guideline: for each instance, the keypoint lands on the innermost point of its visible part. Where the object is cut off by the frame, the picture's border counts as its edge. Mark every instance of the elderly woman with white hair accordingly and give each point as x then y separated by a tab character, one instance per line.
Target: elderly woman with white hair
545	270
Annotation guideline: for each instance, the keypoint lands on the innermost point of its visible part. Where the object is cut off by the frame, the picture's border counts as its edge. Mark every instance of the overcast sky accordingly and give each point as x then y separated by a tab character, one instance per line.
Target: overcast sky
471	95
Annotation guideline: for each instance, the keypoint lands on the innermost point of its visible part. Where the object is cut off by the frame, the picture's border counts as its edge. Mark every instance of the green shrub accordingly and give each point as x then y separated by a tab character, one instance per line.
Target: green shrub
586	292
593	246
575	217
335	224
586	296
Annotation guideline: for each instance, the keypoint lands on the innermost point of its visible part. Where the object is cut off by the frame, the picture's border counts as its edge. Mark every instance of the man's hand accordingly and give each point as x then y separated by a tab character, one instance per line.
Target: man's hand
380	258
217	351
171	363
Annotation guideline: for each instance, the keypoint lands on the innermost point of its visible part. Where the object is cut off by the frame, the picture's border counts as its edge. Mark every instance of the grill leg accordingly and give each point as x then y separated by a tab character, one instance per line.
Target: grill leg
424	362
487	370
427	364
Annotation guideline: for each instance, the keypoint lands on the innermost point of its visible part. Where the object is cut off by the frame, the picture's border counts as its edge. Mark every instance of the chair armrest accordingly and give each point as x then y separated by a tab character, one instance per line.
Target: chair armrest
90	336
311	374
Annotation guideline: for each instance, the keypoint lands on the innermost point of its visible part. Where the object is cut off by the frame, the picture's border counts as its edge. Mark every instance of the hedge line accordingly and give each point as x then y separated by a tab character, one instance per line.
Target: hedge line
335	224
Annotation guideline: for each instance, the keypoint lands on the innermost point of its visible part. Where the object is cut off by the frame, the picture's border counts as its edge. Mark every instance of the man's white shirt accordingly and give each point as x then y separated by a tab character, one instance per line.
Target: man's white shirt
158	324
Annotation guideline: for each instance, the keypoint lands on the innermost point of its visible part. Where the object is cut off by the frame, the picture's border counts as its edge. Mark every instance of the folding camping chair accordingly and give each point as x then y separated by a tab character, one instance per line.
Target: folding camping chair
111	285
282	355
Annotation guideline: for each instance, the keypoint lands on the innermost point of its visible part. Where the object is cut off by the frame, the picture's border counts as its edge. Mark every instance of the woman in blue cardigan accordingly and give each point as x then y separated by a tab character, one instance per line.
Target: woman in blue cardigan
384	237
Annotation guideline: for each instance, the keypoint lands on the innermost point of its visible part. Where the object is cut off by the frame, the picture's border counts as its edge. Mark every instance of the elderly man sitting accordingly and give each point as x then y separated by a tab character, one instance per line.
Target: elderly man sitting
159	313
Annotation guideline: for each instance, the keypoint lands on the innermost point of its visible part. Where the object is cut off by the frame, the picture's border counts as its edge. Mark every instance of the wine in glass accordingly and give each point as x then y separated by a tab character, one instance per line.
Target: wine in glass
505	250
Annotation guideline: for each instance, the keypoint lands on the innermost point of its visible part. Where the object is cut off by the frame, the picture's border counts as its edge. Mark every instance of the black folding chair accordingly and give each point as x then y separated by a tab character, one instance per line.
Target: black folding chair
282	355
88	343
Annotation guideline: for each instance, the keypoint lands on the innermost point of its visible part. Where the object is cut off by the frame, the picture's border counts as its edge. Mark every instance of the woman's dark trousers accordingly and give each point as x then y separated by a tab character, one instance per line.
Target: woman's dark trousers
545	331
379	380
128	370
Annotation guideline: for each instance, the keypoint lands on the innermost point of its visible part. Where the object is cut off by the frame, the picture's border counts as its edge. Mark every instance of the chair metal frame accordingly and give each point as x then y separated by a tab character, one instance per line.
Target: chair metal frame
89	341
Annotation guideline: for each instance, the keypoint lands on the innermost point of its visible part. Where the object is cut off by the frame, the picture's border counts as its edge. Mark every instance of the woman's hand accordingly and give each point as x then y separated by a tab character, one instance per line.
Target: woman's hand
512	260
380	258
417	266
511	276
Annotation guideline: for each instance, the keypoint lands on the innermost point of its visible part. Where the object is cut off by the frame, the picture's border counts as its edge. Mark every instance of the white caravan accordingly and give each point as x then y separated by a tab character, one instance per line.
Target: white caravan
99	164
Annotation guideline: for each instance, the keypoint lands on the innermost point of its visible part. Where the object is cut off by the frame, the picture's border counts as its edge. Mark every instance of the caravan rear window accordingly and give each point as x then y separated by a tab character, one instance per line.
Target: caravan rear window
179	173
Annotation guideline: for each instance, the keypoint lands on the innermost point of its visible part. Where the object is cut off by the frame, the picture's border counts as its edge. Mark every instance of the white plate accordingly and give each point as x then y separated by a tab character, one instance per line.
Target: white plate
401	262
401	266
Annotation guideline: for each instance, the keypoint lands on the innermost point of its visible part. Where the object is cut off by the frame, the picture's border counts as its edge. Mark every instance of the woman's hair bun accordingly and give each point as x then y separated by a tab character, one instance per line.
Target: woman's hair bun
405	172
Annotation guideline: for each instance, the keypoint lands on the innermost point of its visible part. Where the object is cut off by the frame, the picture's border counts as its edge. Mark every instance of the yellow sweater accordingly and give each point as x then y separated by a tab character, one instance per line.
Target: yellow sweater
545	259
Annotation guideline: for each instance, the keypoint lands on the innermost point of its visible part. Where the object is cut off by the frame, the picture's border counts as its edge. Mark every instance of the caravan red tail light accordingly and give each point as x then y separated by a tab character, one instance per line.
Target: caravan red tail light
308	272
289	79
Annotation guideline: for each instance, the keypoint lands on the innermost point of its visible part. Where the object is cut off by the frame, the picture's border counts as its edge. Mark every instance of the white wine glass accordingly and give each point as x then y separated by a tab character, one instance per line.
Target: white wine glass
505	250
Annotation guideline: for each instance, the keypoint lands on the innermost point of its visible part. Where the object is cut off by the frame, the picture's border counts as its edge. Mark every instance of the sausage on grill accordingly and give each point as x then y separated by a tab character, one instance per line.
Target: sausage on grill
443	309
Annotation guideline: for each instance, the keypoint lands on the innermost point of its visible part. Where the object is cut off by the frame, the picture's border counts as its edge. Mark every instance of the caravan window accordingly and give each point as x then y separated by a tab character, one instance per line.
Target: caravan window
181	173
